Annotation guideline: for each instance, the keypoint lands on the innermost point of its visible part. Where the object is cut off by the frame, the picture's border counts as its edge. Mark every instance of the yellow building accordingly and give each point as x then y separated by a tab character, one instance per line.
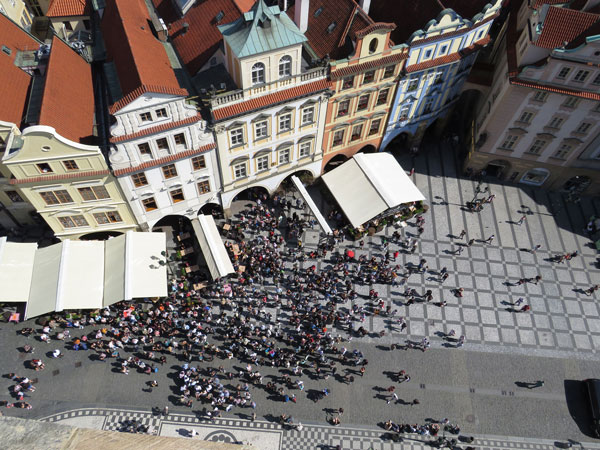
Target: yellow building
18	11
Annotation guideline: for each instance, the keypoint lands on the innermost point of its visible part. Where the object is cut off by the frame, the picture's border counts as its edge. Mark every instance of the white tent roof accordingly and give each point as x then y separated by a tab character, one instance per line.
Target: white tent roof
114	270
44	283
369	184
144	276
212	246
16	270
311	204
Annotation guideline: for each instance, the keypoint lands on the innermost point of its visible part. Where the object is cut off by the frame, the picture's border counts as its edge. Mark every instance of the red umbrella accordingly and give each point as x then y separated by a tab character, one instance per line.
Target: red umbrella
350	253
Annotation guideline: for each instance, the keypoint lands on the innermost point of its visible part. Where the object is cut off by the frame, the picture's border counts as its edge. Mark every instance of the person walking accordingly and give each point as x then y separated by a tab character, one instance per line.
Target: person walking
535	249
462	234
490	239
521	220
591	290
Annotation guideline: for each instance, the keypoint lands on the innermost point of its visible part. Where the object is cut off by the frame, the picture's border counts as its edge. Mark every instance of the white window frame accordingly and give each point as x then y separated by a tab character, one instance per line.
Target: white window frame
581	76
509	142
285	66
263	125
258	73
284	156
262	163
234	136
563	73
283	119
563	151
537	146
308	115
240	171
526	117
304	149
584	128
556	122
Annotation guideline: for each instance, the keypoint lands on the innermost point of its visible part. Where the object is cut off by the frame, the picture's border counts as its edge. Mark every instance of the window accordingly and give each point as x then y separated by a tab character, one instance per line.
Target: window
107	217
285	122
180	139
14	196
374	128
198	162
304	149
571	102
284	156
556	122
343	107
405	110
56	197
44	168
73	221
443	49
160	113
427	53
581	76
428	105
149	204
389	72
261	129
356	132
144	148
596	80
347	83
363	102
540	96
536	147
146	117
526	117
236	136
203	187
308	115
369	77
563	151
563	73
70	164
87	24
239	171
177	195
382	97
139	179
285	66
338	138
169	171
413	83
258	73
535	177
438	77
68	26
162	144
583	128
373	45
262	163
509	142
93	193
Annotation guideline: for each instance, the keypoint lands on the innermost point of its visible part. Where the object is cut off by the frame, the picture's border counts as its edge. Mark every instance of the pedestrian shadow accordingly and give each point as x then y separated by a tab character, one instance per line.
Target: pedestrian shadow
505	303
378	389
579	291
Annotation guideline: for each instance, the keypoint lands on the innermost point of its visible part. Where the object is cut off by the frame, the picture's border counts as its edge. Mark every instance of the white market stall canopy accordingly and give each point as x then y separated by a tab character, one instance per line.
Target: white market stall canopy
311	204
84	274
368	184
212	246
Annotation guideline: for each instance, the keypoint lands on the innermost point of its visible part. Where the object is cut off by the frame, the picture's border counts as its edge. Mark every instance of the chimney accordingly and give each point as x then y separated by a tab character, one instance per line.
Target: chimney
301	14
365	5
184	28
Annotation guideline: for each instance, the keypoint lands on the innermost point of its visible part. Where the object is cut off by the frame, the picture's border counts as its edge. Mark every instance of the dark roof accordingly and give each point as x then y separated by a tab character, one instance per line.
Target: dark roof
594	30
334	24
202	40
562	25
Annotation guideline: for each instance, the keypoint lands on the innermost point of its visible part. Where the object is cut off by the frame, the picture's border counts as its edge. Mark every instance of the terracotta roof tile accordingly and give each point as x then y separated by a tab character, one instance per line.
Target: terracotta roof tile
63	176
157	129
68	98
537	4
244	5
167	159
373	64
447	59
14	82
69	8
270	99
143	90
203	39
581	94
562	25
140	58
374	27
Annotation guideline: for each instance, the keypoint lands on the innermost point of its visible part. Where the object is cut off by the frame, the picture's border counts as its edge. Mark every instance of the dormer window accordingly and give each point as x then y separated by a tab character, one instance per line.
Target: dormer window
258	73
285	67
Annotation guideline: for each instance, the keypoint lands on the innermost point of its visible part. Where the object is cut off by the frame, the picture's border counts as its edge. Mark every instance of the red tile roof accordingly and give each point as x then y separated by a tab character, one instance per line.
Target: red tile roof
62	176
270	99
447	59
373	64
167	159
68	98
562	25
143	89
14	83
244	5
542	87
157	129
69	8
140	58
539	3
348	17
202	39
374	27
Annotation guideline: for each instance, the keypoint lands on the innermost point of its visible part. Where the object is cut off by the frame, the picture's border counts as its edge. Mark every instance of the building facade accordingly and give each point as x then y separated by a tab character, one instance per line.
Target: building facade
18	11
70	19
539	124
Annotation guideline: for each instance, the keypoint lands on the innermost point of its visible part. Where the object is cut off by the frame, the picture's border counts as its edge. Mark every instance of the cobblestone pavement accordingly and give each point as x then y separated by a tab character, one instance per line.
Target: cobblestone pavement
271	436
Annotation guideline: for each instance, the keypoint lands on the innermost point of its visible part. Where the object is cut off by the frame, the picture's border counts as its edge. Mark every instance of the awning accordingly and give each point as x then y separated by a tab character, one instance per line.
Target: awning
368	184
212	246
311	204
16	270
144	275
44	283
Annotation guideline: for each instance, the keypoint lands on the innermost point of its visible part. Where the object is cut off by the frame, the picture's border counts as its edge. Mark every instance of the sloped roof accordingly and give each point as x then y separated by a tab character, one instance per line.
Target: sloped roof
140	58
562	25
69	8
594	30
203	39
537	4
68	98
324	37
14	83
260	30
244	5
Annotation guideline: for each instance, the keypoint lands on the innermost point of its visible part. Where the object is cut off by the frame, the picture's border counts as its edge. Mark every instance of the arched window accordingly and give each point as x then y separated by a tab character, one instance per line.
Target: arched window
258	73
285	66
373	45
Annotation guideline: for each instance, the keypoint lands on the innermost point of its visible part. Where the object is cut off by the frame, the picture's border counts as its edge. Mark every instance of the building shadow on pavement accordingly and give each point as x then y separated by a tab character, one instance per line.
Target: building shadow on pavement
578	406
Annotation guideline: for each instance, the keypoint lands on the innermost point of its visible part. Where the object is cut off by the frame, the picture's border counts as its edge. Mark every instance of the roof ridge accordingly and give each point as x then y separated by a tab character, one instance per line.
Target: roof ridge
348	25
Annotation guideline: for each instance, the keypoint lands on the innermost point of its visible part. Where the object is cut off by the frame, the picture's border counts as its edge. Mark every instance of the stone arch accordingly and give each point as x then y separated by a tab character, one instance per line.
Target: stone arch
334	162
177	222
